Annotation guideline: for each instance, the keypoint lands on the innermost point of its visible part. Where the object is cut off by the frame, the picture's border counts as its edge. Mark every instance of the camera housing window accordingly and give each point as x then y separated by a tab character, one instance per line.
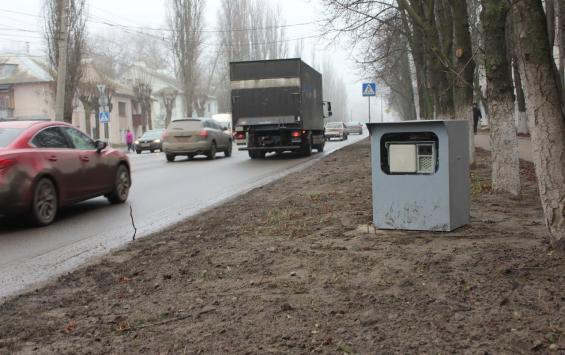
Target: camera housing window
409	153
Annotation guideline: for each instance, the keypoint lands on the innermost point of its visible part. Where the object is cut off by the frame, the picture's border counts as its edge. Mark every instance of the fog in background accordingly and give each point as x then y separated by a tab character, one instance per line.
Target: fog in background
22	28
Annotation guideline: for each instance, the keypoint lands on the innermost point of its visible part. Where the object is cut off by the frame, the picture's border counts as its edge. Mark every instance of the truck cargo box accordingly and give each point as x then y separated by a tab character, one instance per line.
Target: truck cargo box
283	92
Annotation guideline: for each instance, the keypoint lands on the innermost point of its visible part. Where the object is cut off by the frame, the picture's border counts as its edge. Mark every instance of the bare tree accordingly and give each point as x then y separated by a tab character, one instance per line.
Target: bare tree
335	91
88	95
115	51
168	96
504	151
142	90
76	29
186	23
248	30
545	111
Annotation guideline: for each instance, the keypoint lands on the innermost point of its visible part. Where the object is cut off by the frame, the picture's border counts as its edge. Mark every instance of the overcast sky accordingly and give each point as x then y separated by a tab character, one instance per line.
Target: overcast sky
152	14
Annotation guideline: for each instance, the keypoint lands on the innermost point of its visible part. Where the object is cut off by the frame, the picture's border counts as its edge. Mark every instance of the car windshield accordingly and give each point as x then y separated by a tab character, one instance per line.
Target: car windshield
151	135
334	125
8	135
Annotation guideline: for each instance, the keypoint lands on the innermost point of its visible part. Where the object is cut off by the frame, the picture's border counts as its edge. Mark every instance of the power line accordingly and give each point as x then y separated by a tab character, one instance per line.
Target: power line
107	22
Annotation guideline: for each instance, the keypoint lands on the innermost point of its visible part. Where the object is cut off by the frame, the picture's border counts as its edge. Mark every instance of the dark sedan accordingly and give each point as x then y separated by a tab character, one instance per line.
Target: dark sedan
47	165
151	141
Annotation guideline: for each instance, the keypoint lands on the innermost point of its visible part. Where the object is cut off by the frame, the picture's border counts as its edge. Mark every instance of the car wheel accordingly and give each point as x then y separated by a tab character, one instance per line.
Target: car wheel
228	150
170	157
211	154
45	203
152	150
138	151
122	184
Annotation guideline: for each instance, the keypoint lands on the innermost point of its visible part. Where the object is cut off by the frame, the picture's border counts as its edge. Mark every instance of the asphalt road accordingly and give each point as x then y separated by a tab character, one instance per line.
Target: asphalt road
162	194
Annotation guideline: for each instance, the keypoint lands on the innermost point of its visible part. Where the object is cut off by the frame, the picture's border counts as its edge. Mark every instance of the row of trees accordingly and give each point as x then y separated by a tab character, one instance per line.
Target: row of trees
432	55
247	30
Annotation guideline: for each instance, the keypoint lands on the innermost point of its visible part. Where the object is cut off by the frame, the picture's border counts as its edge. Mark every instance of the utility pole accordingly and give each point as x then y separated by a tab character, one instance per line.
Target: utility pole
62	61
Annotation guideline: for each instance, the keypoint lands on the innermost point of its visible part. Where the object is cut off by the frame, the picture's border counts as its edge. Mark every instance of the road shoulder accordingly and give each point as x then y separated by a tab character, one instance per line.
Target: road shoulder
295	267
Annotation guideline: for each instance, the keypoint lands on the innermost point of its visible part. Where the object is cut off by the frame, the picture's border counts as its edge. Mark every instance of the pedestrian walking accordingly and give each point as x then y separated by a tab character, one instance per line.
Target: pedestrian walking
476	116
129	140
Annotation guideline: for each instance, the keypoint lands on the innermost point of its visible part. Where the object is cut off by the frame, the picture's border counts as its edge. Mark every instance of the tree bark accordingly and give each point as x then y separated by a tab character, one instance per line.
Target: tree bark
561	44
522	119
425	102
545	115
504	144
465	68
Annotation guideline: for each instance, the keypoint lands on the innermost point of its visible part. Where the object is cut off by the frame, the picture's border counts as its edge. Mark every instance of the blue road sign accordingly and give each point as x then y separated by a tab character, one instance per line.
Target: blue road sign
104	116
369	89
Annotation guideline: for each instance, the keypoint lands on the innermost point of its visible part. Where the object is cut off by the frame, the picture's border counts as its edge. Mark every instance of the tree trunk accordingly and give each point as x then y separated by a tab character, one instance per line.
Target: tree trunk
504	151
425	102
87	115
465	68
522	119
561	43
149	117
545	115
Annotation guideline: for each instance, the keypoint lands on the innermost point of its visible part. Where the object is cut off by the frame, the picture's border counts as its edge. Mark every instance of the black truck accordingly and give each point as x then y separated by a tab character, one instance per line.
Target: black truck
277	106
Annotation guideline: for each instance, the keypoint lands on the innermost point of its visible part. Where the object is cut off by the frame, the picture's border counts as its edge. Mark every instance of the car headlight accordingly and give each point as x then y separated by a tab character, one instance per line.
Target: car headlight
157	141
136	142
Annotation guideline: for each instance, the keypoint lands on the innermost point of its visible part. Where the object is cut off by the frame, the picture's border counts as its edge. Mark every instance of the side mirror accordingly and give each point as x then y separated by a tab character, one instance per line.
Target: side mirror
100	146
328	108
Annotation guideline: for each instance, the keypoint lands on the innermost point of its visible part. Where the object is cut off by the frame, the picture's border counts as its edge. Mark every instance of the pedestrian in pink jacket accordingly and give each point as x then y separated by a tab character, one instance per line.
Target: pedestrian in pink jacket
129	140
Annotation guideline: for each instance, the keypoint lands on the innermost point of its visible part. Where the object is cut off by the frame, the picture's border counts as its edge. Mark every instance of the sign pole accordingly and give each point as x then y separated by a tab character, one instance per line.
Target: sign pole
369	98
369	89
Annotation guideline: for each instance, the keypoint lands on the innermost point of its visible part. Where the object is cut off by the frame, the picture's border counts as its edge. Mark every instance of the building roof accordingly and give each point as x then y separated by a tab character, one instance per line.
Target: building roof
140	70
21	69
92	74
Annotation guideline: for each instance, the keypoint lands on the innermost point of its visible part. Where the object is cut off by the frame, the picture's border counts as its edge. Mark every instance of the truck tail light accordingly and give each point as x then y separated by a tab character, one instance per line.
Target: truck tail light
239	135
296	134
203	133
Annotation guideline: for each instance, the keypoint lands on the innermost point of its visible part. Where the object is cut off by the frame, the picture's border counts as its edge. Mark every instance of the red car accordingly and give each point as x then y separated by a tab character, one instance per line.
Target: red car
47	165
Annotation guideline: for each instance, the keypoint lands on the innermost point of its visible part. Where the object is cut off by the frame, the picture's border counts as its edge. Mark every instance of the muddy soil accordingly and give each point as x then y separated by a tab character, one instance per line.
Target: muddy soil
295	267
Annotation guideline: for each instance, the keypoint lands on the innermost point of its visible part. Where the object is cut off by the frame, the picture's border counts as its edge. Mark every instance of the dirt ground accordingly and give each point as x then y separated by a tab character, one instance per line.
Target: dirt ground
295	267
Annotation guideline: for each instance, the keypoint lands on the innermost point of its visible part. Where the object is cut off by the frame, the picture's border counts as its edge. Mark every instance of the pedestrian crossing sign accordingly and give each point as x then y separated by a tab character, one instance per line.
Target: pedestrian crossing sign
104	117
369	89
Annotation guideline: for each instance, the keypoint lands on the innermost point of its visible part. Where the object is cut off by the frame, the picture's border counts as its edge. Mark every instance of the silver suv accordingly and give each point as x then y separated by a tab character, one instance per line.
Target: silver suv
194	136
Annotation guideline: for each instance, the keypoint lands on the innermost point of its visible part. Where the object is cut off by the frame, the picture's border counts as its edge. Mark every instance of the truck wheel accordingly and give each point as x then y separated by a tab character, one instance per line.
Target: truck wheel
320	147
256	154
307	148
170	157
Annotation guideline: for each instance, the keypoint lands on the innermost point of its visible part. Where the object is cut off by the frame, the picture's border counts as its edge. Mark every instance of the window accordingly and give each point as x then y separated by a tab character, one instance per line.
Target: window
80	140
50	138
122	109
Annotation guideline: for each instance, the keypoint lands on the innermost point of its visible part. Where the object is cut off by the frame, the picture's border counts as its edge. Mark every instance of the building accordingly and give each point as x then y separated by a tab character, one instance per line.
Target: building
27	91
161	85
